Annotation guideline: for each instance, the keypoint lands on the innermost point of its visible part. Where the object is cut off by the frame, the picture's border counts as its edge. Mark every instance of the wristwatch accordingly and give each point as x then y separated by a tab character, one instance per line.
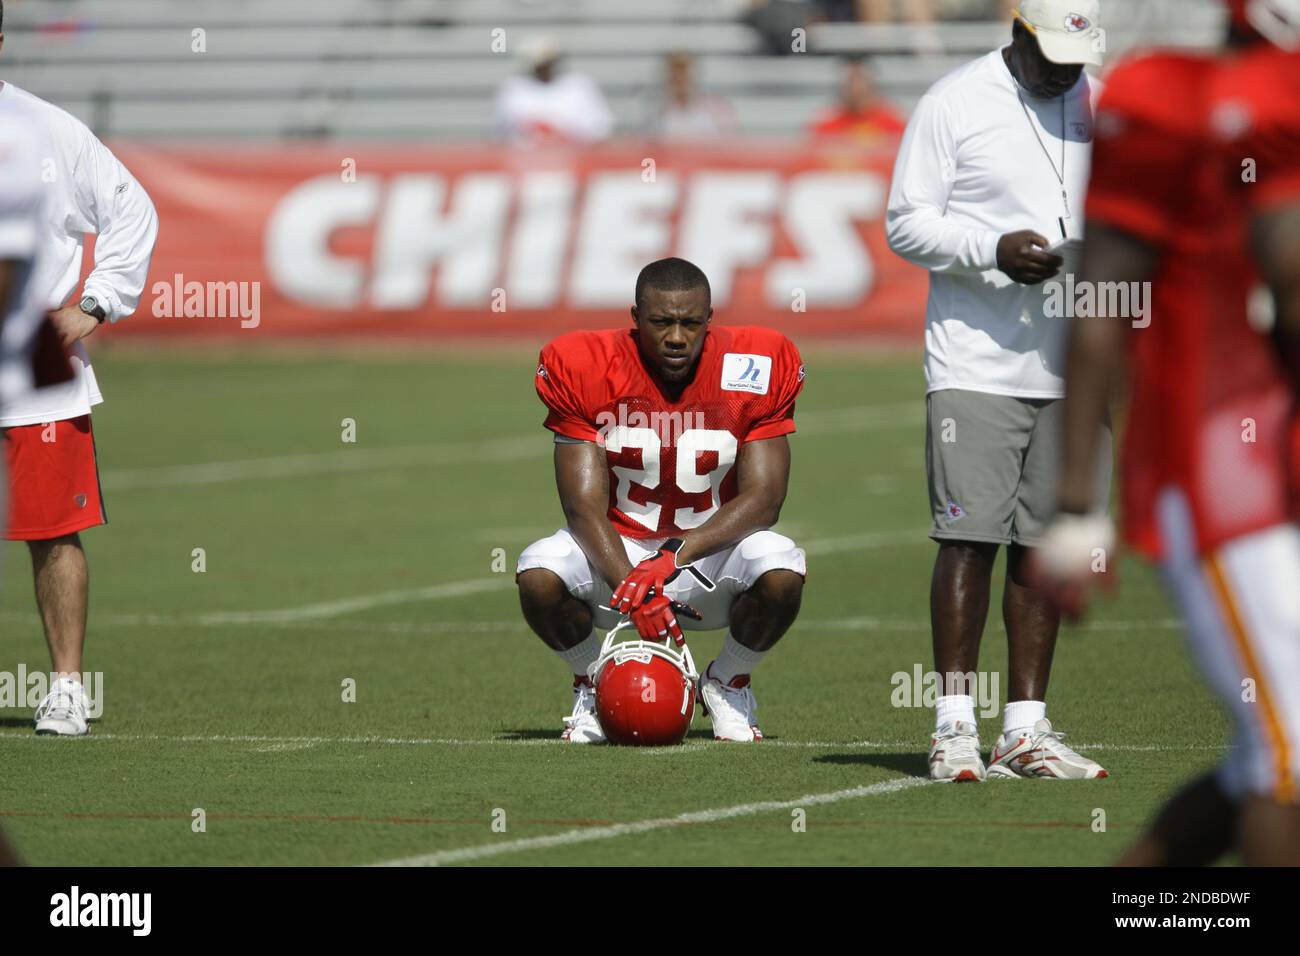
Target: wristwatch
90	305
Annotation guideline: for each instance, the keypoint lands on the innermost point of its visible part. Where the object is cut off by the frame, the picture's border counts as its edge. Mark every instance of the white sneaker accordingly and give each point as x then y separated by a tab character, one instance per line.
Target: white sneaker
64	710
1041	754
582	726
731	707
955	753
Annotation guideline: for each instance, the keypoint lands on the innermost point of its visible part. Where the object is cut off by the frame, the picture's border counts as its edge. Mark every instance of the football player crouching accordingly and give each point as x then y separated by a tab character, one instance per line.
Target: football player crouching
670	453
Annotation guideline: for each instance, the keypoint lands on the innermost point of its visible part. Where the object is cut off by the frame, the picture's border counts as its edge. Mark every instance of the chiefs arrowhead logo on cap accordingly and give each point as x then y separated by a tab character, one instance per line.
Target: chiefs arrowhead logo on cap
1076	23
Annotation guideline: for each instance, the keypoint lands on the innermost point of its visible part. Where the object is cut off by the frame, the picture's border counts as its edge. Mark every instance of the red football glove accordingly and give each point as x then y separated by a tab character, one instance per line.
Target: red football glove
656	619
648	578
652	573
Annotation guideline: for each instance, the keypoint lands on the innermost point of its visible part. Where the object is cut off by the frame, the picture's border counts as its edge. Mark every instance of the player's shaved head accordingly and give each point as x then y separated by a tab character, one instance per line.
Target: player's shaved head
672	275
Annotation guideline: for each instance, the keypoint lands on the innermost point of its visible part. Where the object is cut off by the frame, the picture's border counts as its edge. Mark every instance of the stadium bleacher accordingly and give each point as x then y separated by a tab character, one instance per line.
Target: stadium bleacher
420	71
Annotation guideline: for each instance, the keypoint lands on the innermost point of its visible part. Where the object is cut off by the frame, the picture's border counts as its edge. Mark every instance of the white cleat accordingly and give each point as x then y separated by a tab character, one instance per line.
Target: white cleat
731	707
64	711
1041	754
955	753
582	726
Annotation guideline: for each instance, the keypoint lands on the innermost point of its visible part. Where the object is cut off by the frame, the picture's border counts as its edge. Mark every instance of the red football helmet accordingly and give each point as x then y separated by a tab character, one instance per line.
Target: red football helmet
645	692
1277	21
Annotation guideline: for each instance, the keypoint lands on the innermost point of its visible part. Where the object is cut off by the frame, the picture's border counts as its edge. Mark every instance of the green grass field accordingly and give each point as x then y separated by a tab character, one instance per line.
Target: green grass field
373	561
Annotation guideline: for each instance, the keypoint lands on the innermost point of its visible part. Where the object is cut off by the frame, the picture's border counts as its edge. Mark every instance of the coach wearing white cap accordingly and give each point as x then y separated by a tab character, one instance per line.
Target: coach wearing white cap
990	174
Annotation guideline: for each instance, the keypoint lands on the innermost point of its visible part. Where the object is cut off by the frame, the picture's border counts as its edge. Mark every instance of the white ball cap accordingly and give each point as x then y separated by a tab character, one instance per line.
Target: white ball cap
538	49
1068	31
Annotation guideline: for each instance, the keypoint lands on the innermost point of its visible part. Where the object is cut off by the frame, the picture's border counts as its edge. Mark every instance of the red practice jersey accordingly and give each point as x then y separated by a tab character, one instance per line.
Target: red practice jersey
671	464
1188	147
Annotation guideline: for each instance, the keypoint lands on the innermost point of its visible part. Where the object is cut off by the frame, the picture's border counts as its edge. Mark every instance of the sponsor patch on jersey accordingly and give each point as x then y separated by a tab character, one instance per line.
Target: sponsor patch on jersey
746	373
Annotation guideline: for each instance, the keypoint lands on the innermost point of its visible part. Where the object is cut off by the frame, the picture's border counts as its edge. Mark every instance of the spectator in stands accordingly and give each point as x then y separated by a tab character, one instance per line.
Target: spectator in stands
547	106
861	113
682	112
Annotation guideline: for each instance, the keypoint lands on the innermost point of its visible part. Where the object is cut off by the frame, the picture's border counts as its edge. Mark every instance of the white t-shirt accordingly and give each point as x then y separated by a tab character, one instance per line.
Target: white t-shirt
22	216
89	191
568	108
968	171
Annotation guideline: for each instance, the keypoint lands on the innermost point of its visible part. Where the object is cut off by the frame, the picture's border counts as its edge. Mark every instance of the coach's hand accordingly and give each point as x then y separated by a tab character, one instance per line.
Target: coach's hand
72	324
1024	257
656	619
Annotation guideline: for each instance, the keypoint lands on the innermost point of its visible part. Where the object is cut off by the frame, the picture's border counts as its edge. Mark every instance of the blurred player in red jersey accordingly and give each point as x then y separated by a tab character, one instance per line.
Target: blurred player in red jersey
861	114
670	452
1196	189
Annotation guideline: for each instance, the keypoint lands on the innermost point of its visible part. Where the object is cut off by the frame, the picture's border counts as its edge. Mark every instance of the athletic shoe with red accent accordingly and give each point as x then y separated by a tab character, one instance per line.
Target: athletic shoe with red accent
583	726
1041	753
731	707
955	753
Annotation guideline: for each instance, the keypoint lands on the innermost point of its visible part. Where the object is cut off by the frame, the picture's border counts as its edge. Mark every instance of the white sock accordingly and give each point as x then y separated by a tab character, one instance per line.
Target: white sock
1021	715
734	659
582	654
952	708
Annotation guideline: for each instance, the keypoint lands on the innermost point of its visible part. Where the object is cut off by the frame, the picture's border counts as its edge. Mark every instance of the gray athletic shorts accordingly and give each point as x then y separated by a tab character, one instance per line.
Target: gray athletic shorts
992	463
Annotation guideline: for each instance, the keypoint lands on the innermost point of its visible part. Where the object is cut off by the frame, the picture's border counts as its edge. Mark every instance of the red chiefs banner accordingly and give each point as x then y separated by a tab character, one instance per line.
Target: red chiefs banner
486	240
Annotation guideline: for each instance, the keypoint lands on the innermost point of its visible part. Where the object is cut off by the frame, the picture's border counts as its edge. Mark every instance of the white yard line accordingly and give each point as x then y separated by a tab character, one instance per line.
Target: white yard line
865	541
917	745
416	628
590	834
331	462
360	458
323	610
327	609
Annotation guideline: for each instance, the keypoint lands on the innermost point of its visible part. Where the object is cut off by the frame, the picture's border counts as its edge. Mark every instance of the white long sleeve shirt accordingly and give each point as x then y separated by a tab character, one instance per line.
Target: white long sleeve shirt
968	171
89	191
570	108
22	214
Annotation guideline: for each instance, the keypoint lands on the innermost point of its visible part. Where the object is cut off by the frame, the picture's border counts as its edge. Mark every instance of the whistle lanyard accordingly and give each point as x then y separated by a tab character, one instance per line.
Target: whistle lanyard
1060	175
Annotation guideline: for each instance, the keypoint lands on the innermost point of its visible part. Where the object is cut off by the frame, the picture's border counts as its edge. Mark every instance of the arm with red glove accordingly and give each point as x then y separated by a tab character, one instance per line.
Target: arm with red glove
762	475
1072	558
648	578
641	594
582	478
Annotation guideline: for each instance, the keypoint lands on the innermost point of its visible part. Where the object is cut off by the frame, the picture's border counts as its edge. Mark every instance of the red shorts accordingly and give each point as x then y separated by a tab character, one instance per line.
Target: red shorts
53	480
